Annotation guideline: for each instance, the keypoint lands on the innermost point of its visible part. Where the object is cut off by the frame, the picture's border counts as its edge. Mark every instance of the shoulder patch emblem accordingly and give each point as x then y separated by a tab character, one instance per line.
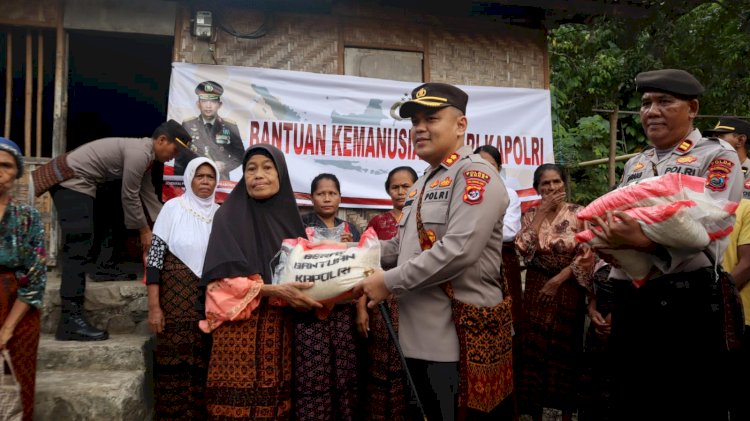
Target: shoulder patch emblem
685	146
686	159
637	166
450	160
718	172
475	182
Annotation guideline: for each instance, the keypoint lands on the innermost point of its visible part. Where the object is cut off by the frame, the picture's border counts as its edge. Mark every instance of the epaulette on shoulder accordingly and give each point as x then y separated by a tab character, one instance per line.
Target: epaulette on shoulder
190	120
228	120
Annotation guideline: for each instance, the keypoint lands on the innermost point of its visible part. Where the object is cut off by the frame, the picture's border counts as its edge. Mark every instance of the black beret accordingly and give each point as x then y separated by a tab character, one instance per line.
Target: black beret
178	133
209	90
434	95
671	81
730	125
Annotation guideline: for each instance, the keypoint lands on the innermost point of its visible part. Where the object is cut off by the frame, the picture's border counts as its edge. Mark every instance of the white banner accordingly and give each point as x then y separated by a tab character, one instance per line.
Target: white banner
349	126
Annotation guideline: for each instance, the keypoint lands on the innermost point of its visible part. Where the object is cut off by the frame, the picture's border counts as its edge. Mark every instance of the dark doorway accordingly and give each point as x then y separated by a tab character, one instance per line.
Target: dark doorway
118	86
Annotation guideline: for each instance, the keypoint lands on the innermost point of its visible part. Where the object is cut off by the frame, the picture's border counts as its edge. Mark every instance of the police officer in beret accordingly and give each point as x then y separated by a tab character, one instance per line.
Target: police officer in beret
451	229
667	342
735	131
214	137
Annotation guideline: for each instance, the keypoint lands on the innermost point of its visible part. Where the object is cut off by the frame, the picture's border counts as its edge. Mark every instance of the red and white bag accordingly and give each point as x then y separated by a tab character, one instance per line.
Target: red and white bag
332	266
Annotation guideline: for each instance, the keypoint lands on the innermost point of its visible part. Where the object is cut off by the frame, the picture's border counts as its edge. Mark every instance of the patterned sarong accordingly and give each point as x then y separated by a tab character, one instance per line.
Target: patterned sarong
250	372
182	351
23	345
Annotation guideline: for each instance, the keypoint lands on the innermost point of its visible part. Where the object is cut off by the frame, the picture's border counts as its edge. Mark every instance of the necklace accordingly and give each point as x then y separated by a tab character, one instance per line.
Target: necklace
194	212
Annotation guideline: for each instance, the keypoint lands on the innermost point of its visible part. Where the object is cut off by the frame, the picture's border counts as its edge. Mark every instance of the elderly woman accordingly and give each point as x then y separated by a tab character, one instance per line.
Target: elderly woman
23	276
326	364
558	279
250	369
384	383
174	268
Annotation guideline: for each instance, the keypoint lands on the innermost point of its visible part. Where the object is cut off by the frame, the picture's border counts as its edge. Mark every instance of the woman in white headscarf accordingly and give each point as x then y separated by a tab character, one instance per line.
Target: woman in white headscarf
173	270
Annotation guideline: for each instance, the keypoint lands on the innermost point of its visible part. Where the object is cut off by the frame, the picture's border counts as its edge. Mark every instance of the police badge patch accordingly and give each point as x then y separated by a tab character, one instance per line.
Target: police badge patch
718	173
475	182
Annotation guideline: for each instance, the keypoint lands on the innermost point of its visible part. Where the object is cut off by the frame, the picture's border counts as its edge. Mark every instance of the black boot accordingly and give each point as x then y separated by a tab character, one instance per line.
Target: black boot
74	326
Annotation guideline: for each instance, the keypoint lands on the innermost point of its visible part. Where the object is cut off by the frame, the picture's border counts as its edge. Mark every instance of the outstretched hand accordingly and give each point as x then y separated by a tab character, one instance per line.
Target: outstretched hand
373	287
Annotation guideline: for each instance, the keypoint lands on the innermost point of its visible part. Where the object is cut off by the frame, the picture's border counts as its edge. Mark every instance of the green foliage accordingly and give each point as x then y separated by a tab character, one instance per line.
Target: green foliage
594	66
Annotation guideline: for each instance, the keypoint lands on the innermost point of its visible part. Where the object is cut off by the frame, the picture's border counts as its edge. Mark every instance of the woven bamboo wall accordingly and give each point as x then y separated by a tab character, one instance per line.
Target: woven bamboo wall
462	51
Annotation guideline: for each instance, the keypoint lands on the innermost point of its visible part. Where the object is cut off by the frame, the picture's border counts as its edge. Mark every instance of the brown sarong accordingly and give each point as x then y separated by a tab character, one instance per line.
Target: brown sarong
23	345
250	372
51	174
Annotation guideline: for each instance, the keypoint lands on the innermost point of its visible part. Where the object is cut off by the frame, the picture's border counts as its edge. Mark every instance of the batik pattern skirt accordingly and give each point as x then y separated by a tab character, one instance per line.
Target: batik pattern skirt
182	350
250	371
325	370
386	379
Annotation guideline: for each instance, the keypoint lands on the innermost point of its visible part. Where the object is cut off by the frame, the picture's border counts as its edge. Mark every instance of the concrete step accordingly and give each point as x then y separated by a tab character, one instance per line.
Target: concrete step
119	352
117	306
92	395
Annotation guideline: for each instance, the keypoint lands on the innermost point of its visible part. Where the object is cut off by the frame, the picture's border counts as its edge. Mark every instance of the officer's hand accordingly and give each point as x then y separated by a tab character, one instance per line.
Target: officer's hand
373	287
624	232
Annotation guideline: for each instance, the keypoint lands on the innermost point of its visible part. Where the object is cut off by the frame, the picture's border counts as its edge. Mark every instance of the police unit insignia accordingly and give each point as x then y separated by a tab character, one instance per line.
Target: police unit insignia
435	183
207	87
451	159
686	159
718	173
412	193
685	146
446	182
638	166
475	182
420	93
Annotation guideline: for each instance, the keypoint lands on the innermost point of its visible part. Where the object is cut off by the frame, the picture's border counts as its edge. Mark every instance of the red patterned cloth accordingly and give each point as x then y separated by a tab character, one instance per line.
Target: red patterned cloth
24	344
385	225
250	372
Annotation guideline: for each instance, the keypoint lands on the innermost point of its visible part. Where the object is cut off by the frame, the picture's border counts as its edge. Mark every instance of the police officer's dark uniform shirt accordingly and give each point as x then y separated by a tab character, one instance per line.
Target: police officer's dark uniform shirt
463	208
218	140
711	158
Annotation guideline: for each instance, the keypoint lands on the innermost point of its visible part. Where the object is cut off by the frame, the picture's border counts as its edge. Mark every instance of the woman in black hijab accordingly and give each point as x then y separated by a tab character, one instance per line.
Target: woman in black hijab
250	370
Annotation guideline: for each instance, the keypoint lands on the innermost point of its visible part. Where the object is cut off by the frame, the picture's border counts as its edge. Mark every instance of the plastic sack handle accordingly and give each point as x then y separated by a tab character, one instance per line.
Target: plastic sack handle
6	357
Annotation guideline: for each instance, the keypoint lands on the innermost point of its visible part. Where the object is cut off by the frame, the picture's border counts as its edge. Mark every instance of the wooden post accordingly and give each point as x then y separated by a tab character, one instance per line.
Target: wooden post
27	97
60	108
8	83
613	116
39	86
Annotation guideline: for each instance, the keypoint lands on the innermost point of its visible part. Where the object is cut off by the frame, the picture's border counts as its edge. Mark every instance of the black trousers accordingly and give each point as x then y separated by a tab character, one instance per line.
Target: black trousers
437	386
75	212
666	343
